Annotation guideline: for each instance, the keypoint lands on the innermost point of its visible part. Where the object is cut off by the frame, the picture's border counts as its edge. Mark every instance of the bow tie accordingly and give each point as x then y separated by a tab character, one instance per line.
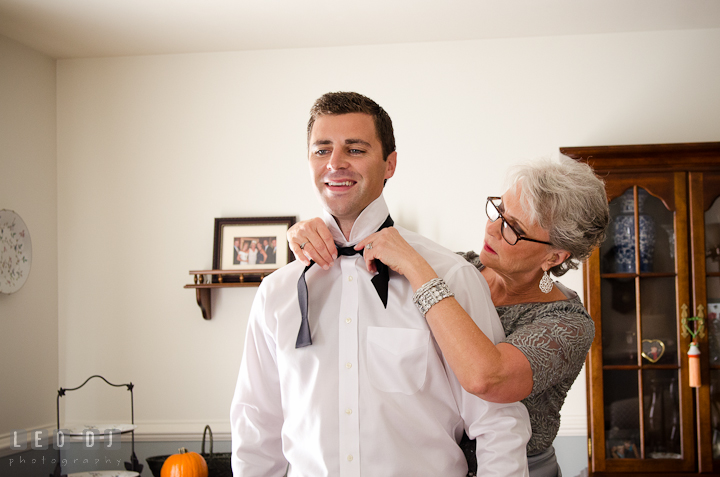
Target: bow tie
379	281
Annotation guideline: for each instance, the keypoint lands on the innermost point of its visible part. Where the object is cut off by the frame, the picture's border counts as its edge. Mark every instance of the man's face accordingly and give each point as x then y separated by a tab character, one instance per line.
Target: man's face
274	242
345	157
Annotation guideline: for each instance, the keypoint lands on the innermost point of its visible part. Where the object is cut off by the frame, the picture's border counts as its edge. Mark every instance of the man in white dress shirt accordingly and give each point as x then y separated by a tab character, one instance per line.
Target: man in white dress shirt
366	391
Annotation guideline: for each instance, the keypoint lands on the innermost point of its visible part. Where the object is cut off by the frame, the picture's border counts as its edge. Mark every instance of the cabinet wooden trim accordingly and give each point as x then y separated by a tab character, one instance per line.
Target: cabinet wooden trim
596	411
701	199
683	297
648	157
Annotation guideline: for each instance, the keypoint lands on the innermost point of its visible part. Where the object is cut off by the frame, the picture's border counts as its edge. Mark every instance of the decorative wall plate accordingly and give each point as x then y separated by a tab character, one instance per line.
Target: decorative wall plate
652	350
15	252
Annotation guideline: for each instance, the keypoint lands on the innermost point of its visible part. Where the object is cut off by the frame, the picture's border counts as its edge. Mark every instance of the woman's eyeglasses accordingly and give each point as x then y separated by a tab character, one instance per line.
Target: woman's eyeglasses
511	236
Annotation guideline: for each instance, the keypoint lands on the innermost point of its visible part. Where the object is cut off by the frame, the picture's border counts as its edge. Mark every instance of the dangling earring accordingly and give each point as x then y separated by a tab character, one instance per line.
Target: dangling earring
546	283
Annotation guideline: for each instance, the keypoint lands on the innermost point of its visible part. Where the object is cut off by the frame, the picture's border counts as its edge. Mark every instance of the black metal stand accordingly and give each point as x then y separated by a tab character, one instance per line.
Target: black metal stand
134	464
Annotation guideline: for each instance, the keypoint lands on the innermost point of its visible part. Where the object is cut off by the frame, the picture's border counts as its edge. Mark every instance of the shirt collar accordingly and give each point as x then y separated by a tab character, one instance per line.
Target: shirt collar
369	220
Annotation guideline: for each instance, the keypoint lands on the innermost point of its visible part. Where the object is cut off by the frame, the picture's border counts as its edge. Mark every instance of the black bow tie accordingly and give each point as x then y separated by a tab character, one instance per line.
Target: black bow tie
380	281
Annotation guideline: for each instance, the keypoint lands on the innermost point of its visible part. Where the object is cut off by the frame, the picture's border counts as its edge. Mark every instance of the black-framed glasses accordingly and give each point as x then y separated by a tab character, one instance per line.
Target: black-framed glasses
511	236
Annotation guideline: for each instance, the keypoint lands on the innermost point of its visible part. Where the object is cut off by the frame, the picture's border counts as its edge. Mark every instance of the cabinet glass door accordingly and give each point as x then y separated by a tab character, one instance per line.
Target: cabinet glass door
705	189
640	285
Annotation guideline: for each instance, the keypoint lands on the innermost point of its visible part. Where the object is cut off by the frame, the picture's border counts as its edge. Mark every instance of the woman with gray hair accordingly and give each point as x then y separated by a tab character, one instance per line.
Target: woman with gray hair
552	217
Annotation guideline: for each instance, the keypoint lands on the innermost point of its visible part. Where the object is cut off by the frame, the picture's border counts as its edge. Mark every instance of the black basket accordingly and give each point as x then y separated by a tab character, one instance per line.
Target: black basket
155	464
218	464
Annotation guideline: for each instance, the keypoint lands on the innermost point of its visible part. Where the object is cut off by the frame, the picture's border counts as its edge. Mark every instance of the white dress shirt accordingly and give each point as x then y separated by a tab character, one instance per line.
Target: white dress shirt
372	396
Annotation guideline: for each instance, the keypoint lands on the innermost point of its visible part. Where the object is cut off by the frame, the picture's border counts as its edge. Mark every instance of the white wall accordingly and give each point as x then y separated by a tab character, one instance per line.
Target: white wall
28	186
152	149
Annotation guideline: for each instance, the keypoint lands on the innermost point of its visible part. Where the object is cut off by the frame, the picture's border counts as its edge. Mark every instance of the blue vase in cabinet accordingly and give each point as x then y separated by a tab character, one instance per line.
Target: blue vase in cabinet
624	235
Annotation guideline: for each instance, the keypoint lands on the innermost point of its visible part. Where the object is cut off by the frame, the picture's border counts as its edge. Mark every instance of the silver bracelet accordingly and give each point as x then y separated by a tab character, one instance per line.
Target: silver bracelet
430	293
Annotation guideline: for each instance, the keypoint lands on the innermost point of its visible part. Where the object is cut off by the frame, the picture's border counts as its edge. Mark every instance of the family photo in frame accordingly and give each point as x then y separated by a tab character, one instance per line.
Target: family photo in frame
251	243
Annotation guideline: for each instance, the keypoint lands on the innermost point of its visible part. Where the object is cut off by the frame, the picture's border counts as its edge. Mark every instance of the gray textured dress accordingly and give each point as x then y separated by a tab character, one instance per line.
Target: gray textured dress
555	338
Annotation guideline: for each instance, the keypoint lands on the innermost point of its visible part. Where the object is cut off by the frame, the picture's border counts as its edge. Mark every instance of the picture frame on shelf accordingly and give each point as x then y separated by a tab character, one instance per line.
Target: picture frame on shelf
652	350
626	448
256	244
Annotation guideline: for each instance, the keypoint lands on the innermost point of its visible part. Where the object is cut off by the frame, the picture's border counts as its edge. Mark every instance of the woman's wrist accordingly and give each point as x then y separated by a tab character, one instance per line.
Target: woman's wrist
422	278
417	271
430	294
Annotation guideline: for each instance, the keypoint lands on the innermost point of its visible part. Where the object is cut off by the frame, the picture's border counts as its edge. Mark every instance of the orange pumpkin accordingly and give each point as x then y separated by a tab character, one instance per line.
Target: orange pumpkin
184	464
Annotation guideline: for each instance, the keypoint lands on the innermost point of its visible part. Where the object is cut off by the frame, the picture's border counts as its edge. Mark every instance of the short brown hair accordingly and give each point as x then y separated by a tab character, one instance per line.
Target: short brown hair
347	102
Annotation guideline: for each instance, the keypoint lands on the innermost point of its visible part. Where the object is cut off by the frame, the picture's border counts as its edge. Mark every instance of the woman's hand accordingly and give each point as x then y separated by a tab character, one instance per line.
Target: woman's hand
317	241
390	248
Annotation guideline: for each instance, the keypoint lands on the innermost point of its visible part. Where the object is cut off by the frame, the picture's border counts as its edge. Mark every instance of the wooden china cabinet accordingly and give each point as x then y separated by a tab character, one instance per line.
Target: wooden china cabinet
643	416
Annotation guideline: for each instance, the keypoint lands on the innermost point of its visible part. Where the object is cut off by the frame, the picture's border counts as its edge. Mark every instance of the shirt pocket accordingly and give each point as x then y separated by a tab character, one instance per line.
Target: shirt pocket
397	358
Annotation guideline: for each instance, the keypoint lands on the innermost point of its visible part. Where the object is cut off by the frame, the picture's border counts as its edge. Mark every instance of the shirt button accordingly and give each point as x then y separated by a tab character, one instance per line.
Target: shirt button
350	278
348	411
348	320
348	365
350	458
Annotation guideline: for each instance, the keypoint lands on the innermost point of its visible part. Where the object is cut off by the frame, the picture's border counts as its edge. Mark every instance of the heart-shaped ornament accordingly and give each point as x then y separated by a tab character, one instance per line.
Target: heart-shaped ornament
652	350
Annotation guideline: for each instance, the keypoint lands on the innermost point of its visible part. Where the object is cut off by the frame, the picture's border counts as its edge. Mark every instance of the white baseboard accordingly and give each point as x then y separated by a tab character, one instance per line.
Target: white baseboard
7	440
170	431
573	426
146	431
155	431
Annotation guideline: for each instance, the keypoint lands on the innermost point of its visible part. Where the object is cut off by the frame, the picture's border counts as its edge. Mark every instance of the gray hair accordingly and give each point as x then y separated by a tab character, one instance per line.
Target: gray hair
567	199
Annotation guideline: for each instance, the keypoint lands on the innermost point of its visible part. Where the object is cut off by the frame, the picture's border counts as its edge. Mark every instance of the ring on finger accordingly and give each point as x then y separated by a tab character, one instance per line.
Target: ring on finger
368	246
302	247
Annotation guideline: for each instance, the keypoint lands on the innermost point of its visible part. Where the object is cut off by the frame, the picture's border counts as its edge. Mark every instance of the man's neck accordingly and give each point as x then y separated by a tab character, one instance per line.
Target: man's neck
346	226
352	226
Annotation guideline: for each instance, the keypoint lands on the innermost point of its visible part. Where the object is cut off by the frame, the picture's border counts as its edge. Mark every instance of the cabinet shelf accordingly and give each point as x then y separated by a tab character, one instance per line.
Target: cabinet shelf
635	367
222	279
641	275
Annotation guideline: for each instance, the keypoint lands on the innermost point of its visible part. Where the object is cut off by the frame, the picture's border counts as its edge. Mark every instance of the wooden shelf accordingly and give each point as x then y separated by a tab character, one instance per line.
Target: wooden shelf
224	285
222	279
641	275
